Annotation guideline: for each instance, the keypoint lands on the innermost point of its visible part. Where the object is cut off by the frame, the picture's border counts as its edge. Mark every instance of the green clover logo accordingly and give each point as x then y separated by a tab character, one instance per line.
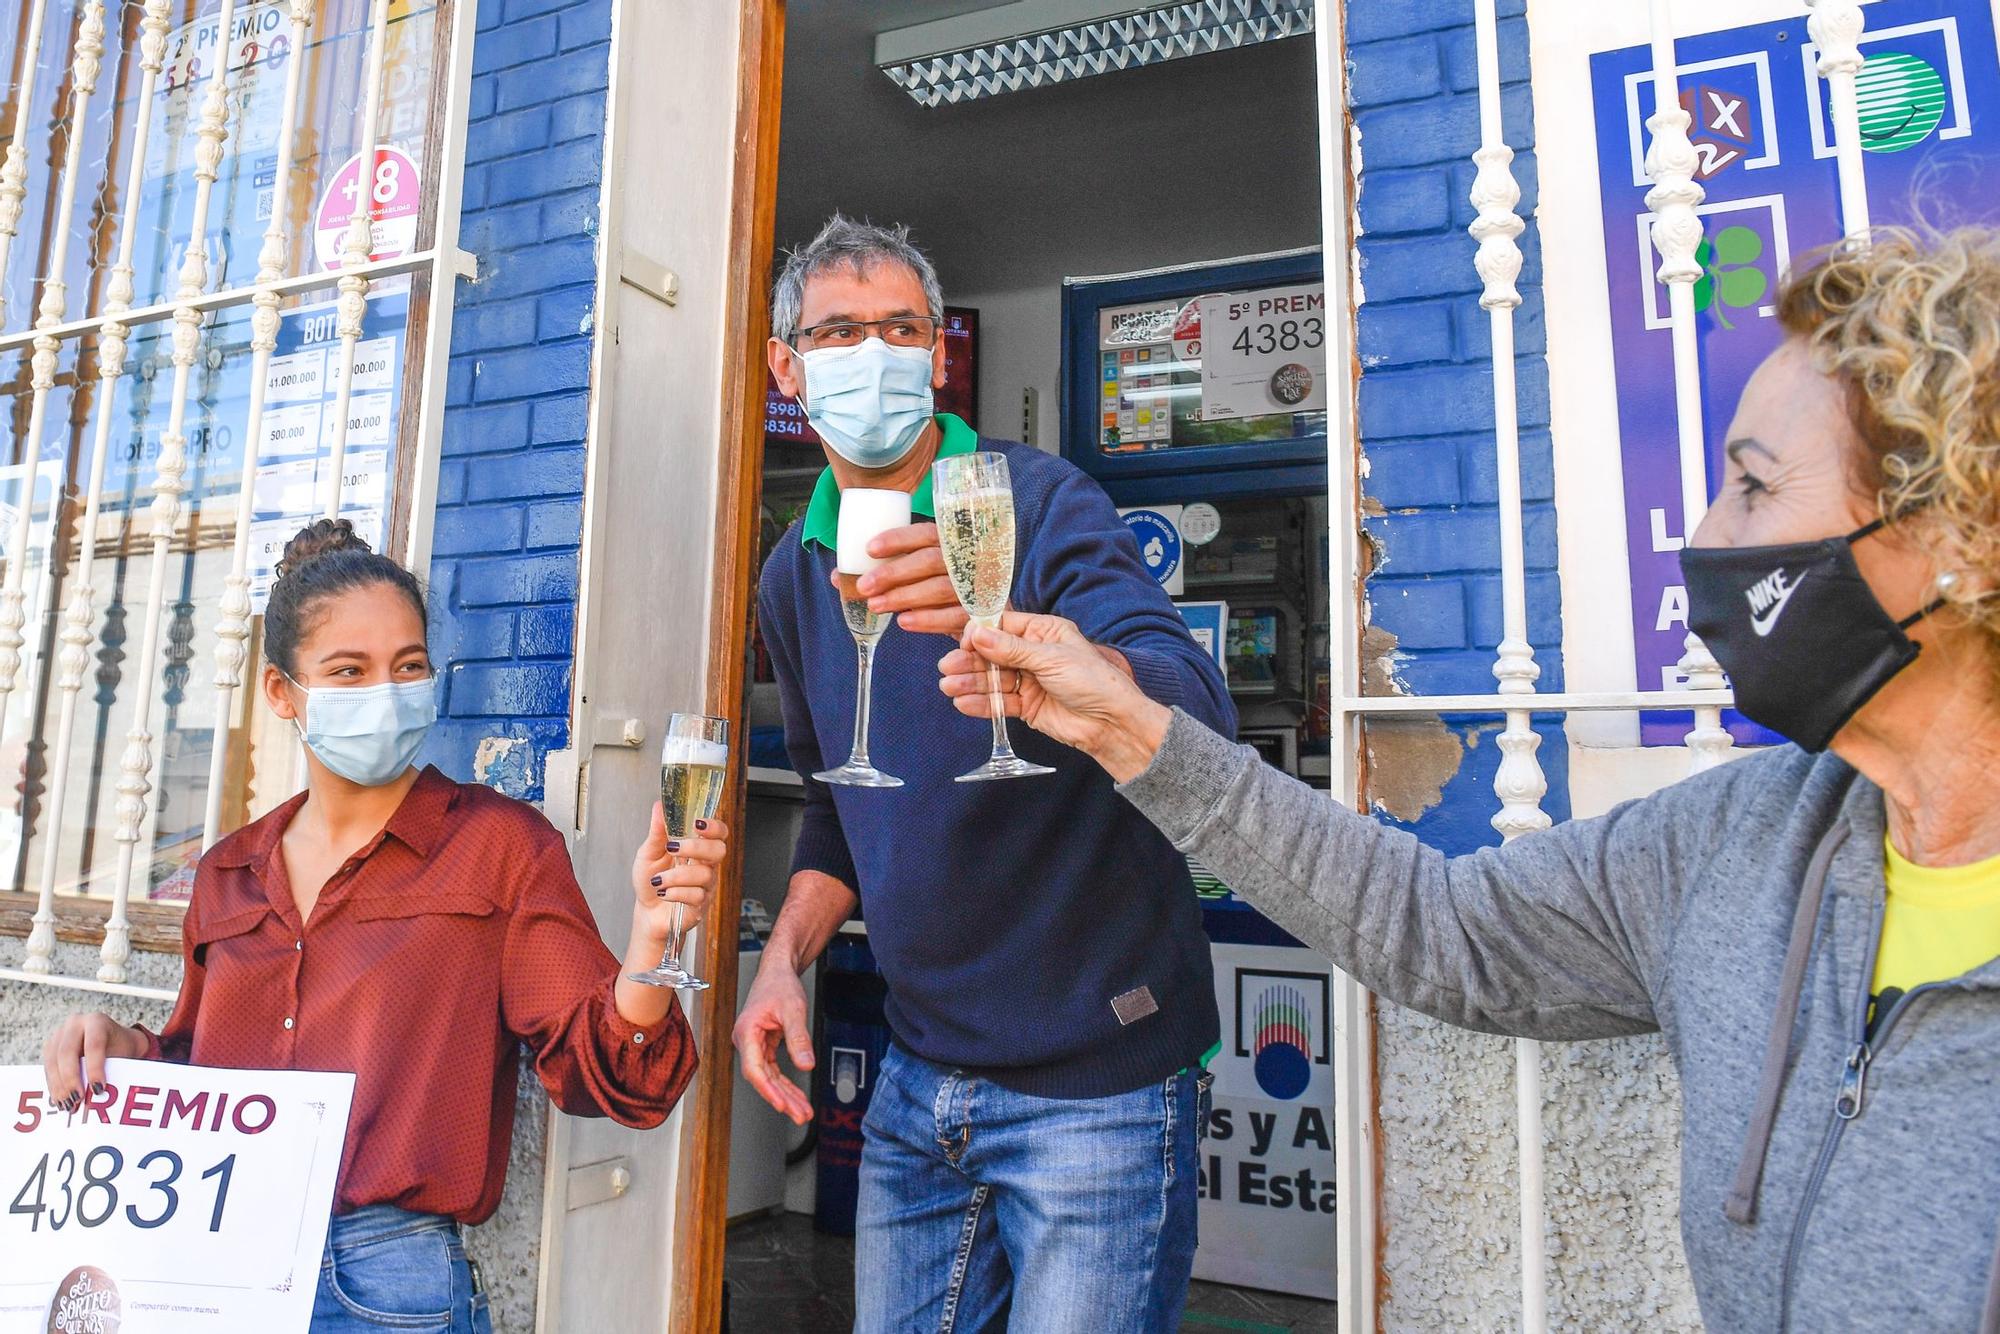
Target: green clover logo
1730	277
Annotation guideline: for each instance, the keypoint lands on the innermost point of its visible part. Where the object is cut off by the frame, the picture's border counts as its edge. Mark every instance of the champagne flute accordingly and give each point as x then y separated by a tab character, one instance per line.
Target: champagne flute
694	768
974	500
864	514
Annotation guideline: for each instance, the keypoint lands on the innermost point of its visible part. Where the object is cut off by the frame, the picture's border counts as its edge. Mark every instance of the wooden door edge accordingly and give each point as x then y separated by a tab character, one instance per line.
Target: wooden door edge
702	1201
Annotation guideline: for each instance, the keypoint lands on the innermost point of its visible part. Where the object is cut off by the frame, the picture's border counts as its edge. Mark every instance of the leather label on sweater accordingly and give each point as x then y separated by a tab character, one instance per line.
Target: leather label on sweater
1134	1005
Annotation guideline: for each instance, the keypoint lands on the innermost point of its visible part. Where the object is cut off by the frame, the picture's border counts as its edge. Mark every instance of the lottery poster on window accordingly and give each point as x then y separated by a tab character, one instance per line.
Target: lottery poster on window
176	1200
258	180
252	188
295	473
1929	94
295	446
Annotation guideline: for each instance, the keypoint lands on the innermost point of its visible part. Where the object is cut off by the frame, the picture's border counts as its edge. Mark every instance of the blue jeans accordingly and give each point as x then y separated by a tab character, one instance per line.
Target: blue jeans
985	1209
387	1268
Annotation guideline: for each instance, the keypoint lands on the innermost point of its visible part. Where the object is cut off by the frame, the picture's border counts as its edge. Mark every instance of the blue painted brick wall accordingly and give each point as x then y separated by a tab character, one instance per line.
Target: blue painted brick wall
510	492
1427	386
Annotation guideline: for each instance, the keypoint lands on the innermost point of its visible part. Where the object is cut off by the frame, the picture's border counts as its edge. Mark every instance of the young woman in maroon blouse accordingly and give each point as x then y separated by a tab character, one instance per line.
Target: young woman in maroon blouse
416	931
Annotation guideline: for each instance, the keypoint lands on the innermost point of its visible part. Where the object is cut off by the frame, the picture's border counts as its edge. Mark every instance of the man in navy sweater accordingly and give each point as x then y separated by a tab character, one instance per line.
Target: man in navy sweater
1030	1153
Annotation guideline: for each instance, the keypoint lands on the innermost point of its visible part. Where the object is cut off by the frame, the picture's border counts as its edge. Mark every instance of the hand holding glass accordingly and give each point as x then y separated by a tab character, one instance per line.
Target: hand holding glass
694	768
974	499
864	515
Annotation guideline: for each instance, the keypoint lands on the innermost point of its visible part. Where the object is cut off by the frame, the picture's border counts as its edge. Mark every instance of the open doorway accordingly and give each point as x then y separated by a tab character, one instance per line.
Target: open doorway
1080	229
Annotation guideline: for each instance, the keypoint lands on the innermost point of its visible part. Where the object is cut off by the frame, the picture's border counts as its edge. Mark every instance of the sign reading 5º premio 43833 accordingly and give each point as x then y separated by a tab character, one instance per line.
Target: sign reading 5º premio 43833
179	1199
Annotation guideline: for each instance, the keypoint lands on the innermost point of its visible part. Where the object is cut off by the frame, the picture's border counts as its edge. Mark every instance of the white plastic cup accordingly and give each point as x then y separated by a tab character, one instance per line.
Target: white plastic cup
865	515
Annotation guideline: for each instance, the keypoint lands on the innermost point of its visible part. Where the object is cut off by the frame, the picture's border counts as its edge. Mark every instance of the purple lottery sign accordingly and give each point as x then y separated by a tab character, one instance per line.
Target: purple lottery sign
1929	96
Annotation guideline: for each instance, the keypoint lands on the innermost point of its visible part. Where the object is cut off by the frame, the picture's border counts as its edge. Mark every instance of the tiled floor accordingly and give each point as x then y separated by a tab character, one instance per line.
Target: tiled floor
786	1278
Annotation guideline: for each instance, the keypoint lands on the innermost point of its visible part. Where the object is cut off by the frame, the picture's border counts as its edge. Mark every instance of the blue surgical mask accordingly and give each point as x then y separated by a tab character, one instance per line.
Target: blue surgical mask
368	734
869	403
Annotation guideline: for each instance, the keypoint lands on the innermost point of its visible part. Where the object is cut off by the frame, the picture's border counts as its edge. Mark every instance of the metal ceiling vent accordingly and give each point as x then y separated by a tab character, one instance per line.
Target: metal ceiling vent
1035	42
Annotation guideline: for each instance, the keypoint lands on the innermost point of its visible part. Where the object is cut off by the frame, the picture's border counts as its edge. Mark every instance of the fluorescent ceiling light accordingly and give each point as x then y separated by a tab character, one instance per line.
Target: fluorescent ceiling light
1035	42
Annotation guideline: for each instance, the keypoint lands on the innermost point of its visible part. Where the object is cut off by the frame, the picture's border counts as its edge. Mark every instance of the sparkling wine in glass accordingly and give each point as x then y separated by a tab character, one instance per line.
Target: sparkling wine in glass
974	499
864	515
694	769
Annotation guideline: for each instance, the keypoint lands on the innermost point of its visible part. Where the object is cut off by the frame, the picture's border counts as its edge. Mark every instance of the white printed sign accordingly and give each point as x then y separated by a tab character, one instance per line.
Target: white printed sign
287	486
364	487
1267	1168
296	377
369	418
300	420
180	1200
1264	352
292	431
269	536
375	364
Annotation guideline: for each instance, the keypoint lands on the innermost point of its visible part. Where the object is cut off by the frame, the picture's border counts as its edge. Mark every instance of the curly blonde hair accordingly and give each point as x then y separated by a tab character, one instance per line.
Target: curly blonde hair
1909	323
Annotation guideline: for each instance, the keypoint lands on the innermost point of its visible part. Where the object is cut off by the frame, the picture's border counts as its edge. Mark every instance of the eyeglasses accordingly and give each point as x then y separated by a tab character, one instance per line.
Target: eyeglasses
896	331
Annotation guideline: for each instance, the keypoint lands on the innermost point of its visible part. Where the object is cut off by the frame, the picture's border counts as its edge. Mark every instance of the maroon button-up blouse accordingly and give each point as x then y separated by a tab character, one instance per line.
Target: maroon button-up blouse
455	935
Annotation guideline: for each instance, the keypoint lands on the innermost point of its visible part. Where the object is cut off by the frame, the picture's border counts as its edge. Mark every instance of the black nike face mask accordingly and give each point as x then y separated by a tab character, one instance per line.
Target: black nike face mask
1802	636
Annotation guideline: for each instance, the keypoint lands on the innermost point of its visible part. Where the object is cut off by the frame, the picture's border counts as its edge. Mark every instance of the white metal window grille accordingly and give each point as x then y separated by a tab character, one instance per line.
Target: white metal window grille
1836	27
215	325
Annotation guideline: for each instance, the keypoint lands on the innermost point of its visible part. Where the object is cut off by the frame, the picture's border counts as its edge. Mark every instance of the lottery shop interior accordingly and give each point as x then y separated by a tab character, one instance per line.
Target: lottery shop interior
1081	230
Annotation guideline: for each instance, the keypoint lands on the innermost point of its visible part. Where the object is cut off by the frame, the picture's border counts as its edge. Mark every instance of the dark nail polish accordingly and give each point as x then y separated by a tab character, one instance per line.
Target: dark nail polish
97	1089
660	894
701	824
72	1102
673	845
659	880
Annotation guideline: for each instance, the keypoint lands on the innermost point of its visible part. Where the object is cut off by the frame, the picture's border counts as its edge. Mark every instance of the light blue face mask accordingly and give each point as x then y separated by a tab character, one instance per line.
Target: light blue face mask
368	734
869	403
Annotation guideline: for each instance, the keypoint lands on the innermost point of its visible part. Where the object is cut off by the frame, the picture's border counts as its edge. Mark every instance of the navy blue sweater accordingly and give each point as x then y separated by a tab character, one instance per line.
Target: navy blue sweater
1007	916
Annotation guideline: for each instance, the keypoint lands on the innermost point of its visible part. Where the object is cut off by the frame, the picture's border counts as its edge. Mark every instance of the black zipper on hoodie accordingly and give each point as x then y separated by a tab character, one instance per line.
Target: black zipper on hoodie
1848	1104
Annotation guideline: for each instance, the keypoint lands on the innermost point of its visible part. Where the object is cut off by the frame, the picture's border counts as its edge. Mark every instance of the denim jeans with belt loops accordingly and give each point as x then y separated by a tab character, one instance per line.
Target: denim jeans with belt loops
983	1209
387	1268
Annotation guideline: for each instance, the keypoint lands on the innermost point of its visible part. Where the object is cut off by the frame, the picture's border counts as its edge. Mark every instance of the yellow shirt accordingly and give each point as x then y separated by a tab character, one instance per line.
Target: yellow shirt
1940	922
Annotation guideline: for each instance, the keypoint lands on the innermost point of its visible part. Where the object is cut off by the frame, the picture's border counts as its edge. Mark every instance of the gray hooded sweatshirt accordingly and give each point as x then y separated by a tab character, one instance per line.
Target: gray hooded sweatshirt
1831	1179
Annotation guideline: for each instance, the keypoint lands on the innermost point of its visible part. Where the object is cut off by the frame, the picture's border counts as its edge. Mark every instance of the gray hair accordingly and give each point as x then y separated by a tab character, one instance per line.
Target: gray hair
862	246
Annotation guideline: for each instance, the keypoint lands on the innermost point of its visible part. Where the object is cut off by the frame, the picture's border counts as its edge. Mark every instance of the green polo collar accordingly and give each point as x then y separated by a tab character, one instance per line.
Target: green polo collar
822	522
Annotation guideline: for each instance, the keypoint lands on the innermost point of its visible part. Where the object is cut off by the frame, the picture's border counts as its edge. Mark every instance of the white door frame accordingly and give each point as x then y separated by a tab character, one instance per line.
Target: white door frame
665	313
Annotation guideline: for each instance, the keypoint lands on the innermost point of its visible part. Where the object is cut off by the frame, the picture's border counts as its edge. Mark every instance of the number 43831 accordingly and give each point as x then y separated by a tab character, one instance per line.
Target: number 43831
56	1190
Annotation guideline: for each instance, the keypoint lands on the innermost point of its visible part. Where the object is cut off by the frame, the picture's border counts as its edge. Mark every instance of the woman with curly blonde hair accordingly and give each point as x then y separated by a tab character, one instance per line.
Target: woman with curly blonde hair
1817	935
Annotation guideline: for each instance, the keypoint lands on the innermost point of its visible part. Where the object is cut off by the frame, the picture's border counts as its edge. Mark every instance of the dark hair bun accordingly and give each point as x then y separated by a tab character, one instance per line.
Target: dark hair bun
327	559
321	538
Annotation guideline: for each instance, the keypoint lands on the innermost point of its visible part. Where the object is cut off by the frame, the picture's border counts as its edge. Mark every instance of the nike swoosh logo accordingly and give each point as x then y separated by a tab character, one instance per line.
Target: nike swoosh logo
1763	624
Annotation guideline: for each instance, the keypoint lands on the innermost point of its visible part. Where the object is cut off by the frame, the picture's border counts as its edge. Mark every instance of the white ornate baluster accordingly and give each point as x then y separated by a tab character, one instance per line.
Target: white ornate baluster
1836	27
1520	783
1671	162
356	250
86	60
232	632
79	616
136	766
14	169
